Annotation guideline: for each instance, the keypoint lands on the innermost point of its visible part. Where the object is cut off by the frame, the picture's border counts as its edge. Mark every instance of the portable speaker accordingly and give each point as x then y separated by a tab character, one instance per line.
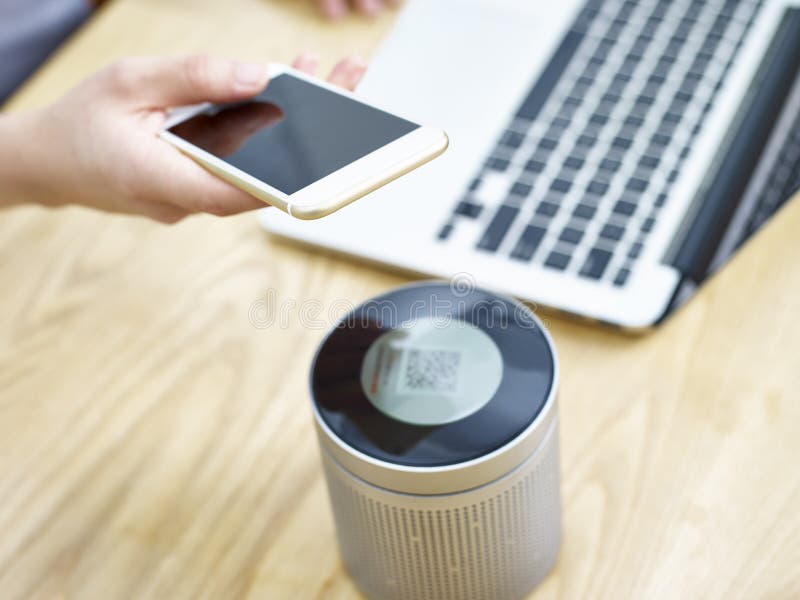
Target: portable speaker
436	413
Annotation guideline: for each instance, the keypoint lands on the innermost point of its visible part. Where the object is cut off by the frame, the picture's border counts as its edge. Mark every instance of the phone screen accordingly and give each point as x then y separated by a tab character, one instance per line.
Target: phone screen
293	133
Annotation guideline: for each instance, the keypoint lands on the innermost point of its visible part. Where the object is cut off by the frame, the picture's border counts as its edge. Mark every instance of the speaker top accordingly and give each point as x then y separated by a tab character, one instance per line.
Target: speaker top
433	375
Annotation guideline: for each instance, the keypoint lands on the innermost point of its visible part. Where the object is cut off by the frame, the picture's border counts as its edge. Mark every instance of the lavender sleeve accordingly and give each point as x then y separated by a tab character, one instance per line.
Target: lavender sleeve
29	31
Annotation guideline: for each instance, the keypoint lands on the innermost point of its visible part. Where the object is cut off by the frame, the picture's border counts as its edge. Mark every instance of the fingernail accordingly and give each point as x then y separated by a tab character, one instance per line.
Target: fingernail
250	74
358	62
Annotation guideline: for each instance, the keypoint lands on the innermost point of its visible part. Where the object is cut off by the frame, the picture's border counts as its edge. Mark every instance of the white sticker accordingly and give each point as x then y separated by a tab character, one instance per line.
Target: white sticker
431	372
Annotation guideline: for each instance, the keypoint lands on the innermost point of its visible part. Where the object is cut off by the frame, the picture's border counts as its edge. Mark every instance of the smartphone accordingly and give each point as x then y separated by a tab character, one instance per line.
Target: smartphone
303	145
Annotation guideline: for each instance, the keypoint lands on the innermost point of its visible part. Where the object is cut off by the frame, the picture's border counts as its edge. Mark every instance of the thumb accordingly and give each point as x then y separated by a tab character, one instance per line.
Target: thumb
173	81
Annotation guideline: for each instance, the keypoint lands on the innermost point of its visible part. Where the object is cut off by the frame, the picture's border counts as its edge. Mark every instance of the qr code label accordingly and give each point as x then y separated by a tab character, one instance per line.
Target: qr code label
431	371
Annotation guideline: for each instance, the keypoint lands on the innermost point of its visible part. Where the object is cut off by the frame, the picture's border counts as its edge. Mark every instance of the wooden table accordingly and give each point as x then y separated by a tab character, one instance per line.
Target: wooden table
154	443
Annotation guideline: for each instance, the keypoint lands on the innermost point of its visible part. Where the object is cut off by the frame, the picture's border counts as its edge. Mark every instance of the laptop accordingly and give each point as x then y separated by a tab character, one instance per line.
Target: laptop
606	155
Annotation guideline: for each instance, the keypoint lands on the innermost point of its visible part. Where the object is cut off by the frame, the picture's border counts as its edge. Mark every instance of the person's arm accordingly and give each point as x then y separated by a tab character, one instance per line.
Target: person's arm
99	145
335	9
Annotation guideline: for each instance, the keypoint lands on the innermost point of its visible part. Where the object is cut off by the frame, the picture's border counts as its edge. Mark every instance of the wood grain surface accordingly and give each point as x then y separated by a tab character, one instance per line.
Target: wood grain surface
155	433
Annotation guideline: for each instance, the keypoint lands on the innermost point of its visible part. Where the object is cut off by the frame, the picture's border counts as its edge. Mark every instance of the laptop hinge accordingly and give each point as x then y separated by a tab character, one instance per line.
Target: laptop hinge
705	227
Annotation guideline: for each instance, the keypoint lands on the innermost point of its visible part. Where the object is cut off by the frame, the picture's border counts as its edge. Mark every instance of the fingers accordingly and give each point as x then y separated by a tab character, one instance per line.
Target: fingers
306	62
170	178
369	8
174	81
348	72
333	9
336	9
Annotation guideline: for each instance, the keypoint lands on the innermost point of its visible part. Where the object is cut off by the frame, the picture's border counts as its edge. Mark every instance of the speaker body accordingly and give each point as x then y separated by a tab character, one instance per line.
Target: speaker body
484	528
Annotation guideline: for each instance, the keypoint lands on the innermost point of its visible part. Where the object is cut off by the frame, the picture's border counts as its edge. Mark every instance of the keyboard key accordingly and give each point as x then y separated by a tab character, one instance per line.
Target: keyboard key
573	162
498	164
445	231
640	110
547	209
631	60
692	76
621	79
660	139
616	154
639	47
605	108
567	111
633	121
535	166
567	174
612	232
636	184
597	60
547	143
645	37
635	250
610	97
560	185
604	47
649	162
571	235
671	119
557	260
592	130
648	224
689	85
660	201
622	277
476	183
528	242
629	133
521	189
596	263
579	152
615	29
553	132
617	87
597	187
560	123
624	208
584	211
621	142
497	229
465	208
512	139
609	164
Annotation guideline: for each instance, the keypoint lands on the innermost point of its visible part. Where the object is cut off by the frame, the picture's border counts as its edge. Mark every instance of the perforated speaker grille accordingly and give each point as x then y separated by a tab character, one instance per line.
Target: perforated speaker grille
492	543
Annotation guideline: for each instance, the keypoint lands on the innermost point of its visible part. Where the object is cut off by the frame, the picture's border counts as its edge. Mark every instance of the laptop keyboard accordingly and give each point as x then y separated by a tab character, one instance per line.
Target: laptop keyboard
578	179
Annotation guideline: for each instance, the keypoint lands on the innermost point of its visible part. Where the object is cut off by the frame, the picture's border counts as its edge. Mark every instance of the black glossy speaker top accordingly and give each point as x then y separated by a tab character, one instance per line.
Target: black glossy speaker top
522	384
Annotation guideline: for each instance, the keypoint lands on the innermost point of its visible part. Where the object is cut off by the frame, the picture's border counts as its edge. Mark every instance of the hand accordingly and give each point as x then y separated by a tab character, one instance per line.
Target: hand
335	9
99	145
